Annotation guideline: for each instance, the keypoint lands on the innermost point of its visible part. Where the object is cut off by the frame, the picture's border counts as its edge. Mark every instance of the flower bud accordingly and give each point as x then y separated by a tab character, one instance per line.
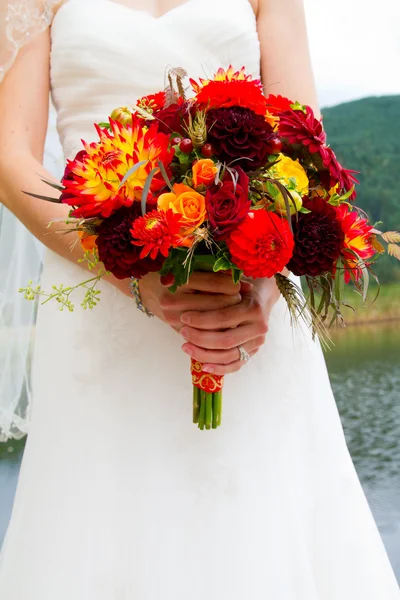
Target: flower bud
122	114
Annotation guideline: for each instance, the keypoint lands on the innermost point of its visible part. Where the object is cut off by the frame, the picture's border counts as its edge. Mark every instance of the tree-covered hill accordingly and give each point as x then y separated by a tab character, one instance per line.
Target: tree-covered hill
365	134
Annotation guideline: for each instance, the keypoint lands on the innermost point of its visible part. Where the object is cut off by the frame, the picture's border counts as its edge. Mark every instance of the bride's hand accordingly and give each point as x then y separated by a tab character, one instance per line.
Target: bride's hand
213	337
218	292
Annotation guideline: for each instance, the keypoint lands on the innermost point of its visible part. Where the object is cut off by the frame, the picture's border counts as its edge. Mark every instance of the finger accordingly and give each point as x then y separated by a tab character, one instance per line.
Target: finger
198	302
216	283
220	357
220	340
245	286
231	316
226	369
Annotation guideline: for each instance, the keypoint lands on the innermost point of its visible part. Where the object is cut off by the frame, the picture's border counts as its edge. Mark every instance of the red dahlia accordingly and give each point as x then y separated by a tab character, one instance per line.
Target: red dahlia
239	134
336	174
319	239
302	128
157	231
262	244
116	251
277	104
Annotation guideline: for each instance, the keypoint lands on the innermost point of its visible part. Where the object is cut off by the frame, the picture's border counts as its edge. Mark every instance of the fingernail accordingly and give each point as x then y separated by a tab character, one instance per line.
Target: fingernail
208	369
185	318
184	333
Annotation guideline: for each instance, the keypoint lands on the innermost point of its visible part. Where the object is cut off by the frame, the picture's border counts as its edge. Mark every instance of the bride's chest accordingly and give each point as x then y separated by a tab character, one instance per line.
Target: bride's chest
109	34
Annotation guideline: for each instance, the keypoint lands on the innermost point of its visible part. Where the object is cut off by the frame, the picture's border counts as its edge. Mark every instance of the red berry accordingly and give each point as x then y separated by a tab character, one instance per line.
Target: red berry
176	140
186	146
207	150
275	146
167	280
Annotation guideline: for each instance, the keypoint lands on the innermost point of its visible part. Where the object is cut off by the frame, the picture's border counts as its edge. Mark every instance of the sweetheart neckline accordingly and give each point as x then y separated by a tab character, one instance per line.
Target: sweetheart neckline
154	18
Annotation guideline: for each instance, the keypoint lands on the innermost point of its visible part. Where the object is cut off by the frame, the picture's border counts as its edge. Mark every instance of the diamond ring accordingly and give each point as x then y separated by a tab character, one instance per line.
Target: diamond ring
244	355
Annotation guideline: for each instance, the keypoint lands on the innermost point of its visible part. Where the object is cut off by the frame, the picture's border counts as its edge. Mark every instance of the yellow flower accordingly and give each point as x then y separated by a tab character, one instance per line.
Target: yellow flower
185	201
293	176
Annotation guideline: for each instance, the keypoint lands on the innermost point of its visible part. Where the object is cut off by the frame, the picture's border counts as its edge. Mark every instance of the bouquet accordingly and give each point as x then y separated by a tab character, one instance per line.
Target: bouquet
226	180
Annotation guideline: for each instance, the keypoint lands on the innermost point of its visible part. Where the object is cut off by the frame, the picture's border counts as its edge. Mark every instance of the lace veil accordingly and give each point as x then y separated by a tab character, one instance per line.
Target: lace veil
20	253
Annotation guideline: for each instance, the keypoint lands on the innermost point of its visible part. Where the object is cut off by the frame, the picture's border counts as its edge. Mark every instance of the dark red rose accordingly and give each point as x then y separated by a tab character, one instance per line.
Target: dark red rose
319	239
228	204
116	251
239	134
171	119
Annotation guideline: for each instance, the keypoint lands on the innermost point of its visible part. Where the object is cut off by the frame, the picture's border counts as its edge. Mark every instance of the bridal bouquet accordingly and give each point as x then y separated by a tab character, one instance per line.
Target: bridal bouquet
226	180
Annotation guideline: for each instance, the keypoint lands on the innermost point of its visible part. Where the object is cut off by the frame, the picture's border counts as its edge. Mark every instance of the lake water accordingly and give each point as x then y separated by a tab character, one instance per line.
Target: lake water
365	373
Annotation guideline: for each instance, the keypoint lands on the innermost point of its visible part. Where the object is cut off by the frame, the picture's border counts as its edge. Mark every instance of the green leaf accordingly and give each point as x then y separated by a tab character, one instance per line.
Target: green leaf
131	171
165	175
298	106
222	264
146	188
40	197
105	125
304	210
236	275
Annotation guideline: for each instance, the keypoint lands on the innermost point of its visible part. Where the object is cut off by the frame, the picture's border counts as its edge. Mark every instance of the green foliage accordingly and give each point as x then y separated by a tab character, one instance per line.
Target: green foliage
365	135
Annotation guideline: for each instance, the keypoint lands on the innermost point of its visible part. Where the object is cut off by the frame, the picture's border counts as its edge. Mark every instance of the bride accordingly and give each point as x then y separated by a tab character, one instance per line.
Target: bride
119	496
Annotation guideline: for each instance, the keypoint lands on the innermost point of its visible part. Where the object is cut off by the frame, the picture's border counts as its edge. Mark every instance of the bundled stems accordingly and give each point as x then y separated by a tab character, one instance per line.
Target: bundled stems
207	408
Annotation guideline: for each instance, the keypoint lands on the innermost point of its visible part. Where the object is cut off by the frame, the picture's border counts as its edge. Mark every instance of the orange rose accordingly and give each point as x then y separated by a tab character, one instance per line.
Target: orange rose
204	171
185	201
88	242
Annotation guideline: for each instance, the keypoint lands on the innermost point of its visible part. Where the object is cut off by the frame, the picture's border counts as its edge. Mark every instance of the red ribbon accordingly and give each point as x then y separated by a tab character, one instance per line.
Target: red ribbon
206	381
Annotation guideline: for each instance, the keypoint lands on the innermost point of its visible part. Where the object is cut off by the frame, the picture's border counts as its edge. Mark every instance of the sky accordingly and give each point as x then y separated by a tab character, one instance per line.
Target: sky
355	48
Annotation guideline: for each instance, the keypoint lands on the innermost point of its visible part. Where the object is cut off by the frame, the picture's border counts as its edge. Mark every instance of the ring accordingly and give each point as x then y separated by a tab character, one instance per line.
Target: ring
244	355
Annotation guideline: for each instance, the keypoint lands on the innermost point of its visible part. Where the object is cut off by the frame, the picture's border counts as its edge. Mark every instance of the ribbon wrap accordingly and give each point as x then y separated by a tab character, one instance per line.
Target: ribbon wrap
205	381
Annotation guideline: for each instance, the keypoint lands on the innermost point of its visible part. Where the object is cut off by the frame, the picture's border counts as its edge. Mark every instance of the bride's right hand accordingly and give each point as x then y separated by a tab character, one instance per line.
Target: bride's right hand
217	291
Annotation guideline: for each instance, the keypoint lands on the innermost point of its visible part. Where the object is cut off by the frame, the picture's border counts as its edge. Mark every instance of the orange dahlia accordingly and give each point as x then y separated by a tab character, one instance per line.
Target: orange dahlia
94	184
357	239
157	231
230	88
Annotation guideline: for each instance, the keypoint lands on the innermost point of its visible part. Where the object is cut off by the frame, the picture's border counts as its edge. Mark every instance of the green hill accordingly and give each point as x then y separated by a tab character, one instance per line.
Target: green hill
365	135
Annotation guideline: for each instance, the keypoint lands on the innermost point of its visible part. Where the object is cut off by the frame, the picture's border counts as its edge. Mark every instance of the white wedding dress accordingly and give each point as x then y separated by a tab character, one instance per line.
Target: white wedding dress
120	496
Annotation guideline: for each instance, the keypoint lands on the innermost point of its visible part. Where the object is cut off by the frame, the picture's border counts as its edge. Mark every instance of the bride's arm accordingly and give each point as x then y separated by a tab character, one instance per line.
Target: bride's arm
24	103
286	69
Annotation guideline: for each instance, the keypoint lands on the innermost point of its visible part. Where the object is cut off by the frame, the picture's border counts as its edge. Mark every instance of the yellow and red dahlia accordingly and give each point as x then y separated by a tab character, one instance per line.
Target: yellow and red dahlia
157	232
94	183
230	88
358	239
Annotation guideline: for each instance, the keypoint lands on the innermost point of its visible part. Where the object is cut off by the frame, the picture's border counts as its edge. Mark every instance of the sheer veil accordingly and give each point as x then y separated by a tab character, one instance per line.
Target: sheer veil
20	253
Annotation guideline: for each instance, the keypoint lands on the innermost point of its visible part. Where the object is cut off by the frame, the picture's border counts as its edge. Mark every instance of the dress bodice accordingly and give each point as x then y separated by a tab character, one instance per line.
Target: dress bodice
106	54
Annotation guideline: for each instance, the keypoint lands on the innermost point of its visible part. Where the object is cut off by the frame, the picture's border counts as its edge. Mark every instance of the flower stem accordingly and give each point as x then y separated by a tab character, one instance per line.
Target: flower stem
209	402
196	404
202	409
218	402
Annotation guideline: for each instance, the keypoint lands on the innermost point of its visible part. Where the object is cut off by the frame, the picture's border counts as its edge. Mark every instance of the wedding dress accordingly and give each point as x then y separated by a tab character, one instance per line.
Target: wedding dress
120	496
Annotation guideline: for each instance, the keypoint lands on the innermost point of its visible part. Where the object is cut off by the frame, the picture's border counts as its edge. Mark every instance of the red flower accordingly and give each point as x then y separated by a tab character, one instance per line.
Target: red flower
152	102
170	119
318	239
262	244
357	239
228	204
278	104
230	89
116	252
336	174
157	231
302	128
240	135
94	181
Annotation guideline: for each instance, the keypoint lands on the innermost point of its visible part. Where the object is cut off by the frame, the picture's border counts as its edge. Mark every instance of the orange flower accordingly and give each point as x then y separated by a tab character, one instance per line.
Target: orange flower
204	171
185	201
88	242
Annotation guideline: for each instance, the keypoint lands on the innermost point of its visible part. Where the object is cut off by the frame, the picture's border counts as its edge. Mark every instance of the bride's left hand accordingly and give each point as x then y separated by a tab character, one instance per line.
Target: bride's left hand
212	337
